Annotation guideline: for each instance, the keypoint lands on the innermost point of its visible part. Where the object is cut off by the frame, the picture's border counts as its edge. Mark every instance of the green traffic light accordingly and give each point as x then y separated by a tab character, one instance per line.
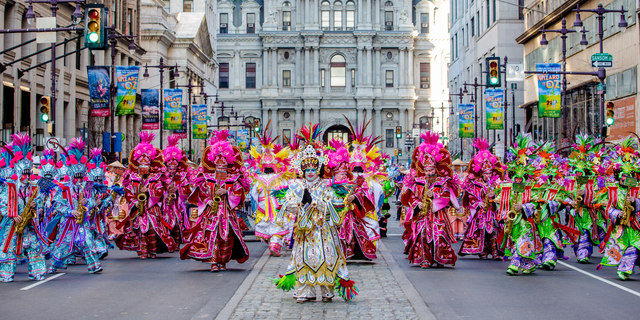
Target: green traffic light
493	80
610	121
93	37
44	117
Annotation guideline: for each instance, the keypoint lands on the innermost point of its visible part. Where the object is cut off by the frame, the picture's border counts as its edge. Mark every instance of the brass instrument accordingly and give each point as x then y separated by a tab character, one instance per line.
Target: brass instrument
511	217
28	212
142	201
82	209
426	201
216	200
627	209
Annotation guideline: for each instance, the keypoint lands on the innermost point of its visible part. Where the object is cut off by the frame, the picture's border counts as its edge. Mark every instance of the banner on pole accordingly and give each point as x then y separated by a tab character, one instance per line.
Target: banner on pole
150	109
127	82
182	132
99	82
172	109
199	121
549	94
494	101
466	120
242	138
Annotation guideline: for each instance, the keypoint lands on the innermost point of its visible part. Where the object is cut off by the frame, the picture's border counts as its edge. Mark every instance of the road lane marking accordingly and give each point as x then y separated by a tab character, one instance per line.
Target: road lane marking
601	279
42	281
394	234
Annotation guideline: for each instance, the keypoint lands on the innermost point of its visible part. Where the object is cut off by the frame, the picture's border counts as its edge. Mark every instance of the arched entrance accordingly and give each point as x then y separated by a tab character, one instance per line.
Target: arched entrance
337	131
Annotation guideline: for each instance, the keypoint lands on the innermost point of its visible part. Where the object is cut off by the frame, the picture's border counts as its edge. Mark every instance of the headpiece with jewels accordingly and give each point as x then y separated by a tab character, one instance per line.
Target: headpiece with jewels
364	154
74	160
312	155
273	155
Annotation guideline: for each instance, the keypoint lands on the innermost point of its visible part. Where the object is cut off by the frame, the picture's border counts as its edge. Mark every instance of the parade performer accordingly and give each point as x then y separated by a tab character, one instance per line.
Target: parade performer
20	234
586	156
72	224
176	189
622	239
484	175
317	259
521	241
219	189
272	164
144	191
119	207
101	193
361	228
430	190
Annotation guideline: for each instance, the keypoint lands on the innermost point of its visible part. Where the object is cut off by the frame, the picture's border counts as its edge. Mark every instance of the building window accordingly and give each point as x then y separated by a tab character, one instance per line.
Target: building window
325	15
473	27
338	71
388	78
351	15
286	78
488	15
494	10
521	9
388	20
129	29
223	76
389	136
322	78
425	68
251	23
187	6
337	20
224	23
353	77
286	20
251	76
424	23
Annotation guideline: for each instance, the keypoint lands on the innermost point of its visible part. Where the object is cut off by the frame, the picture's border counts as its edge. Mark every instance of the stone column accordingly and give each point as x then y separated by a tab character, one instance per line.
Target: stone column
265	67
411	73
298	71
359	64
360	15
401	68
402	123
274	67
274	121
377	123
369	79
306	66
376	68
316	66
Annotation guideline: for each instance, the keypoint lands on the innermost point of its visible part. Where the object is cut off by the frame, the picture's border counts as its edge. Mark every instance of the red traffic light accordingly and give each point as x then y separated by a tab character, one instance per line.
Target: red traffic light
493	64
94	14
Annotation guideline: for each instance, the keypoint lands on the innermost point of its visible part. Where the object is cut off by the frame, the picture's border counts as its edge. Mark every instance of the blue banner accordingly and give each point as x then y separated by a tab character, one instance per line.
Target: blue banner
99	82
150	109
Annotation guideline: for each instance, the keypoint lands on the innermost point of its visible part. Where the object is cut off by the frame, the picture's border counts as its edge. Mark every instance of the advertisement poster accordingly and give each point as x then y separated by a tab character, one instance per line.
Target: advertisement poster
172	109
150	109
98	77
199	121
243	139
494	101
549	92
127	84
466	120
182	132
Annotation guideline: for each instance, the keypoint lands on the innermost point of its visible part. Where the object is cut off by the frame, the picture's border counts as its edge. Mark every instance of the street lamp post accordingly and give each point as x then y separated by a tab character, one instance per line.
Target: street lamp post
460	95
161	66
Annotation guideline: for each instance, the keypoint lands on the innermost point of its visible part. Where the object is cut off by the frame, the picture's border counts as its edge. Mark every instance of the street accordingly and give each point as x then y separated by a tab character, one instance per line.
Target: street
168	288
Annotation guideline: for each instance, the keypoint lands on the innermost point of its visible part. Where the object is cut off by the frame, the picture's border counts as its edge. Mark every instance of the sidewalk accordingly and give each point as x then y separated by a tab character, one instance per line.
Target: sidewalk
384	293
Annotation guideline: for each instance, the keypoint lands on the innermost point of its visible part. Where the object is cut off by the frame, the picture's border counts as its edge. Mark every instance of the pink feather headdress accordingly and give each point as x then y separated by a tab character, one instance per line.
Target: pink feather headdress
220	146
337	153
483	154
172	151
430	146
145	146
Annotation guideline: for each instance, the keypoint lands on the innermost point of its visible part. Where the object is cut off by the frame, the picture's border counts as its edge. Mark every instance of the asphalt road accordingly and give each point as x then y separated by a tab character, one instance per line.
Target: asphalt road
481	289
128	288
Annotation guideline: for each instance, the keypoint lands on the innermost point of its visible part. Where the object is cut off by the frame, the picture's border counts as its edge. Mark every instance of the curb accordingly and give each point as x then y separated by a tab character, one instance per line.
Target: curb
230	306
415	299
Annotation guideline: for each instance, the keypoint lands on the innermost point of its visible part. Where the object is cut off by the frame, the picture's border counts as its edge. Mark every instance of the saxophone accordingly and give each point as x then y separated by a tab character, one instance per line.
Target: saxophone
82	209
142	200
216	199
511	217
427	201
627	209
27	213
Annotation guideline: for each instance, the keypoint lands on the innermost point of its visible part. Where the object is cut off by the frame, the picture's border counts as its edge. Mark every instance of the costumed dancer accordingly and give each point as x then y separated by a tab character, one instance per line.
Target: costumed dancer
72	225
119	206
388	189
176	189
144	190
430	191
317	259
482	182
272	164
361	230
622	239
219	189
521	241
20	234
100	193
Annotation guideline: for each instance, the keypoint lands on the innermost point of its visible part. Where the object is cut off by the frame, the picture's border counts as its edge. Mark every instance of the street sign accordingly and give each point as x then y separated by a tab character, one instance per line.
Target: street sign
601	89
515	72
601	60
415	132
46	23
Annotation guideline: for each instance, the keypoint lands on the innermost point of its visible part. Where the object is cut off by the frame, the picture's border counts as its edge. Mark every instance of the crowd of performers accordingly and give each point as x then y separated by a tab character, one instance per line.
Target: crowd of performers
327	203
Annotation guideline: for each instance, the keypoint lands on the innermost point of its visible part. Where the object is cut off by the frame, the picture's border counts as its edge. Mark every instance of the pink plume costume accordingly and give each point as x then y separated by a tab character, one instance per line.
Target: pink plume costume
215	237
144	191
479	189
272	164
428	234
175	178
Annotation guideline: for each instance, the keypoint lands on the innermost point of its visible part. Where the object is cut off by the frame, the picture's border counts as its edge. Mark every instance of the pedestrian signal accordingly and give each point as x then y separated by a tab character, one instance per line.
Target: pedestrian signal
610	114
94	31
45	108
493	72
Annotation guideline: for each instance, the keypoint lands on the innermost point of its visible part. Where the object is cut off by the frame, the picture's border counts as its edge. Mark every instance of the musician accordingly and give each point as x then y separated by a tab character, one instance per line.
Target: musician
72	225
219	189
176	189
20	234
430	192
144	190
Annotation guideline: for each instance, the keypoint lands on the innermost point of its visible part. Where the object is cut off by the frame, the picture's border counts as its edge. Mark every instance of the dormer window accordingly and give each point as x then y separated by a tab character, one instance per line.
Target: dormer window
251	23
224	23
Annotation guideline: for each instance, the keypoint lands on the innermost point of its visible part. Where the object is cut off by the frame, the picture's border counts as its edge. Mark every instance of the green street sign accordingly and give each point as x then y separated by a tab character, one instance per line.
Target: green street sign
601	60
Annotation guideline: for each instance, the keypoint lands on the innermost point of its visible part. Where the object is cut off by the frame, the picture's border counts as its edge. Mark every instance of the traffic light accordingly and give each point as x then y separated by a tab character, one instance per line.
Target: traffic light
395	153
609	114
400	152
256	125
493	72
45	108
94	32
398	132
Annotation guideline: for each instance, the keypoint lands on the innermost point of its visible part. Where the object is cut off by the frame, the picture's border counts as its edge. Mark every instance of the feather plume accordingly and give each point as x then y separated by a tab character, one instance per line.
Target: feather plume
173	140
